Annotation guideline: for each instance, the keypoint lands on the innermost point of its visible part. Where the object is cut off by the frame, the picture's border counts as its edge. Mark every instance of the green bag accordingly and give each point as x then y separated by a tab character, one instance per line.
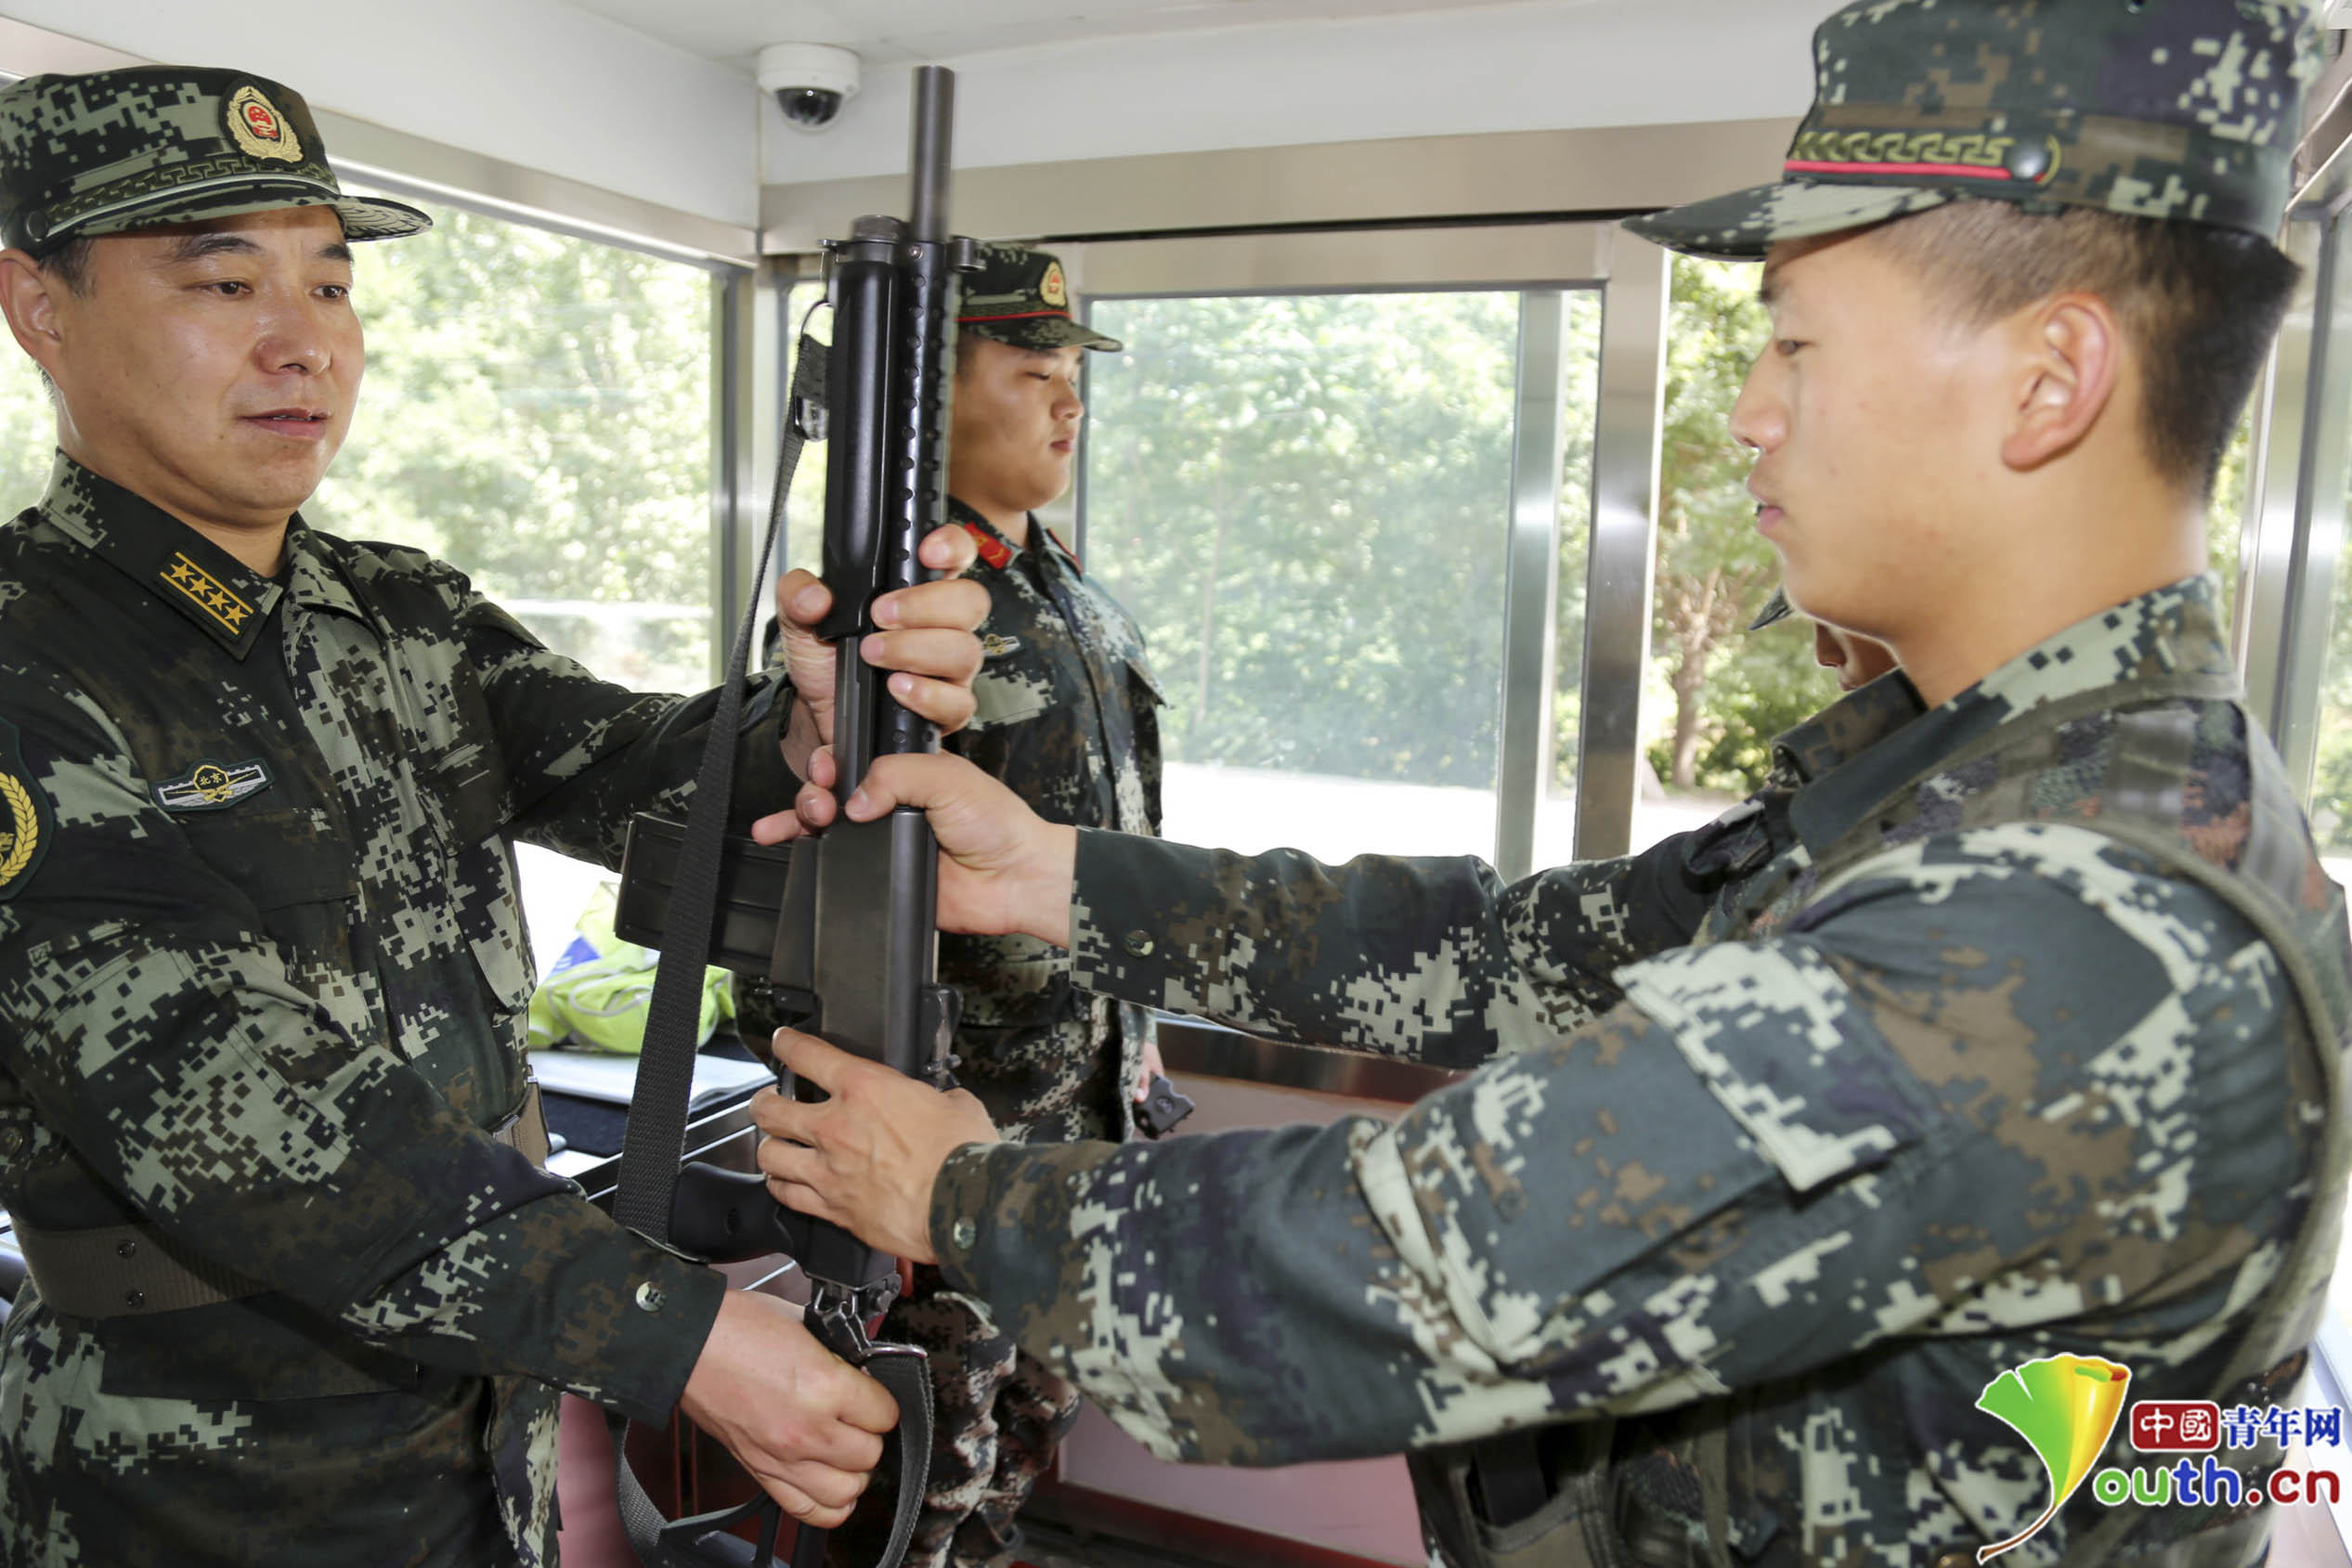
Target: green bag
595	998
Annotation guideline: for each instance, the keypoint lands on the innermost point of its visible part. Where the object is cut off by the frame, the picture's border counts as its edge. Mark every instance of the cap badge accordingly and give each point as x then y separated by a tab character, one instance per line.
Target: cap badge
1054	290
256	125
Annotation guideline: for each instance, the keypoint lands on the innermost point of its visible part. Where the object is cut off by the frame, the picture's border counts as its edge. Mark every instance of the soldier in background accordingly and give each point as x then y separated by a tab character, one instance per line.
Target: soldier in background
2027	1047
300	1293
1067	716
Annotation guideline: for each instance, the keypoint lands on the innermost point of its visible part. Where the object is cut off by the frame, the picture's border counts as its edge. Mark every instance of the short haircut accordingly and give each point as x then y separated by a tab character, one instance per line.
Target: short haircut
2199	304
69	263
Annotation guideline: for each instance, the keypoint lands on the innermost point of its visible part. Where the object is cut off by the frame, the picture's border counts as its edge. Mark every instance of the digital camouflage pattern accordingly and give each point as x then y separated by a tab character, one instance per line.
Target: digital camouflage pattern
1067	715
110	151
275	1029
1021	297
2157	109
1957	1077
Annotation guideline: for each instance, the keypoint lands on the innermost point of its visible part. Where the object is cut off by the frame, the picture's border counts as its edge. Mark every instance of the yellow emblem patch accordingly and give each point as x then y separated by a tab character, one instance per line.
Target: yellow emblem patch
256	125
206	593
22	839
24	817
1055	290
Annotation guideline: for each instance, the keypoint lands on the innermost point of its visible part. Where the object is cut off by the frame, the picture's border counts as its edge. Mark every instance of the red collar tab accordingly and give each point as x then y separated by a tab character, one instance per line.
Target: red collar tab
994	550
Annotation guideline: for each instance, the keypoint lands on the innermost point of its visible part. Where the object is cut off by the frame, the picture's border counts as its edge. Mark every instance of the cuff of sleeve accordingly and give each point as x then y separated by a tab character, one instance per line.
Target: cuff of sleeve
623	1321
763	784
1001	1219
1127	893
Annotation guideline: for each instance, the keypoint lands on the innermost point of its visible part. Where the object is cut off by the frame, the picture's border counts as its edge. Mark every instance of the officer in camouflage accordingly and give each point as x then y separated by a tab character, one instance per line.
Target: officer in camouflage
1067	716
2026	1042
300	1293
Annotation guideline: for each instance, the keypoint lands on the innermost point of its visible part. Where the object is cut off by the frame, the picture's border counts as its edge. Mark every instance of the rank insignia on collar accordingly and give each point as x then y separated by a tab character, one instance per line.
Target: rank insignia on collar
25	818
994	550
211	786
995	645
207	593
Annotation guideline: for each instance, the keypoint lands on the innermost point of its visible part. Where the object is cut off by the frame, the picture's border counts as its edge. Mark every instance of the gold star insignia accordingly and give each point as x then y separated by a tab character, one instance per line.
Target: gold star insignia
207	593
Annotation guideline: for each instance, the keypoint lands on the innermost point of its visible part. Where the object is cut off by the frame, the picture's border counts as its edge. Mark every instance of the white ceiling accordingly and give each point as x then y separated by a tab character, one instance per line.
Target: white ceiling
887	31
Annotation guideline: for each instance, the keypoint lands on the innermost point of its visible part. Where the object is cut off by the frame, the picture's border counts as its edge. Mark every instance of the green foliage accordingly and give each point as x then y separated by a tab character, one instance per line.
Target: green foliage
28	434
1729	691
538	411
1305	500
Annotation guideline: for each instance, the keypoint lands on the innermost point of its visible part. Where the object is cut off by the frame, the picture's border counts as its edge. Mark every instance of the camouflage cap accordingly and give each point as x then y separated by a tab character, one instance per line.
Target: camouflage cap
112	150
1020	297
2186	109
1777	610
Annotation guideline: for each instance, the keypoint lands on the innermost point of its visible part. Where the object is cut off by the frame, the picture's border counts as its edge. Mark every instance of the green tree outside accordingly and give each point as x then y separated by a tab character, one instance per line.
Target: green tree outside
1304	500
537	412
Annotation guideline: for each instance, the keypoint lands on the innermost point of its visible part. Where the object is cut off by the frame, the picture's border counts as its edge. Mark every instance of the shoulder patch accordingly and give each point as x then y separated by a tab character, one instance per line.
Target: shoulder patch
26	820
211	786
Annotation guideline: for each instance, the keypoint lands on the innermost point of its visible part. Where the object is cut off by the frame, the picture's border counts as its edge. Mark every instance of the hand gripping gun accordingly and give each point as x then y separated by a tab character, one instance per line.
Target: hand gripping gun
842	925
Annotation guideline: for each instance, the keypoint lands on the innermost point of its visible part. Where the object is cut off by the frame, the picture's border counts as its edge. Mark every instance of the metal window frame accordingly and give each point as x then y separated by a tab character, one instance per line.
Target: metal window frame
2292	531
1541	262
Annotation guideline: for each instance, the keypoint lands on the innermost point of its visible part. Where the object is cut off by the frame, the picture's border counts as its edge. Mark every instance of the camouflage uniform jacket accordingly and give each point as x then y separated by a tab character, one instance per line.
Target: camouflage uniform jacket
272	1021
1067	715
1992	1088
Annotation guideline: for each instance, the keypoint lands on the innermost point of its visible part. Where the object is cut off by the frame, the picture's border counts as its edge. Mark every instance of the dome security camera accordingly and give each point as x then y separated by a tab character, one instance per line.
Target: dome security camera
811	80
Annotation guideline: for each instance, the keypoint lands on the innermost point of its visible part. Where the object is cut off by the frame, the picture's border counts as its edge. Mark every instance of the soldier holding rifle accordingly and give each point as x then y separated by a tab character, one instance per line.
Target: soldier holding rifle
2027	1045
300	1293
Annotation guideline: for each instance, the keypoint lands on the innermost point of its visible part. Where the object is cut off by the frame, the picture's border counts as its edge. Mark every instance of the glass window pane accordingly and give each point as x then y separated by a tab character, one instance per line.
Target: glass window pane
1717	692
1305	502
537	412
2226	518
804	512
2331	769
28	433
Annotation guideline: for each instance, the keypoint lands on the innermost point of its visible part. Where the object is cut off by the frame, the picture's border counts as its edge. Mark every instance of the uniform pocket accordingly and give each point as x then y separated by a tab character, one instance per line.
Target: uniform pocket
1009	690
278	856
1783	1045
